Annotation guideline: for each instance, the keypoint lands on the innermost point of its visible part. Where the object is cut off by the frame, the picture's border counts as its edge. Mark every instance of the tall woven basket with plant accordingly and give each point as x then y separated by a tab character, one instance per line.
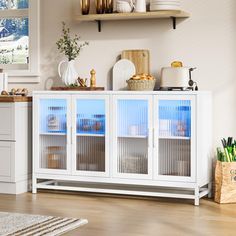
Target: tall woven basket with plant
225	172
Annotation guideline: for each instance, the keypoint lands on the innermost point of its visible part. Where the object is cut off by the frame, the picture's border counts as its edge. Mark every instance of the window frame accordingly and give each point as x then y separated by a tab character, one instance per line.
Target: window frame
31	74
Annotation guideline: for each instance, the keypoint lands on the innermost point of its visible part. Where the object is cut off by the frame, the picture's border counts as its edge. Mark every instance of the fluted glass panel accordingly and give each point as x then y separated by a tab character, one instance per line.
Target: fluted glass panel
91	128
175	137
91	153
132	140
53	129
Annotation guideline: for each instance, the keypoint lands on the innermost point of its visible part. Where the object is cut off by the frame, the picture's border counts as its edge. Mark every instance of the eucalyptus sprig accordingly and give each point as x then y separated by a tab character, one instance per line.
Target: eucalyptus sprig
69	46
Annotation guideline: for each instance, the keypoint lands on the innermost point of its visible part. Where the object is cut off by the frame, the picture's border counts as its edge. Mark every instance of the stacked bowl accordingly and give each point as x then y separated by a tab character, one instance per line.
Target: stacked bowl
157	5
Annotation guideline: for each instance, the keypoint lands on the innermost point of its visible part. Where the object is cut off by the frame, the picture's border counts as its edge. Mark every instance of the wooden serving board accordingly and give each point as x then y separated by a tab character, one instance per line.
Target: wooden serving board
140	58
15	99
78	88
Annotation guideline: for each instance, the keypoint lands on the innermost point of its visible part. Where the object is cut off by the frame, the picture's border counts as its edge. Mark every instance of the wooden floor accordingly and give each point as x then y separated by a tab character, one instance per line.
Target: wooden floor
112	216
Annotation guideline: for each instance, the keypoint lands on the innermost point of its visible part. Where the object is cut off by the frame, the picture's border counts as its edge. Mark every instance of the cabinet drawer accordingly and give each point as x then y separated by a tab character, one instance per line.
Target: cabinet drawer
6	153
7	122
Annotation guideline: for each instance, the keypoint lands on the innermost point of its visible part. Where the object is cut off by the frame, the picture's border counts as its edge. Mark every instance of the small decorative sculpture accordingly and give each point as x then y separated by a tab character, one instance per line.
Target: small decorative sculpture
82	82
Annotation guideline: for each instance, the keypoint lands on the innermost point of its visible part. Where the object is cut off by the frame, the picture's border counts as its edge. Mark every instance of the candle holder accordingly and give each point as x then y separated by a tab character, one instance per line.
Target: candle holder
85	6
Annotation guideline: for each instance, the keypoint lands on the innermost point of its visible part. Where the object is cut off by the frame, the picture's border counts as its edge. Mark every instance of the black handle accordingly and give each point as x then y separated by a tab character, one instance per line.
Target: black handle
191	82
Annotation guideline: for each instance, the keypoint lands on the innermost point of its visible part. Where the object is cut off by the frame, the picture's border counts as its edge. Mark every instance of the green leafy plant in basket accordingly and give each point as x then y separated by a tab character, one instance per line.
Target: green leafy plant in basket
228	153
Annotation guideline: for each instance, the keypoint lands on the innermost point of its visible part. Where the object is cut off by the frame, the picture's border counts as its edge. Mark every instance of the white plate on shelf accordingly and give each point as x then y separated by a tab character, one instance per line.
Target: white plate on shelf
163	8
164	4
169	6
123	70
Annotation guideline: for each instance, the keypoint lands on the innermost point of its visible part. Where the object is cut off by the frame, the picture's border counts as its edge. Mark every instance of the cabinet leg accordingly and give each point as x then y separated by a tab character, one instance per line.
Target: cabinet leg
210	190
197	198
196	201
34	184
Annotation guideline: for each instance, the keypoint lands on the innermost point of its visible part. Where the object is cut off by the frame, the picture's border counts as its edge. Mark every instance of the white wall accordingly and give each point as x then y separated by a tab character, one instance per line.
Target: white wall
207	40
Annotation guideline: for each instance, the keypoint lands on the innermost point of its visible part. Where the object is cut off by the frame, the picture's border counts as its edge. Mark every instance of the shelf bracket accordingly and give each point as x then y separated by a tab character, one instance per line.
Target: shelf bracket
99	25
174	22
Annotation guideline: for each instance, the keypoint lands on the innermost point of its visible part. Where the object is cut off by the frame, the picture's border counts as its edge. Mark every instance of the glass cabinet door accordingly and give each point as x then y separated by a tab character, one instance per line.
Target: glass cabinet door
53	134
131	136
174	137
91	135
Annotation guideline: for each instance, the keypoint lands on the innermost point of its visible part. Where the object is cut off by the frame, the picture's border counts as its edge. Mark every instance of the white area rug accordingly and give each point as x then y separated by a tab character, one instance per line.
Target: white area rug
13	224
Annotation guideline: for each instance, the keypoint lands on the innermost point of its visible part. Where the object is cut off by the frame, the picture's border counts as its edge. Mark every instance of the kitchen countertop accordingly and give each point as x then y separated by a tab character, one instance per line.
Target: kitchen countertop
127	92
15	99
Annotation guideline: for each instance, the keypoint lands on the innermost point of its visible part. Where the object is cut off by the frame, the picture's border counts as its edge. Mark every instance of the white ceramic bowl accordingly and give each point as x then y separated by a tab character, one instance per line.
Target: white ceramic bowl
123	7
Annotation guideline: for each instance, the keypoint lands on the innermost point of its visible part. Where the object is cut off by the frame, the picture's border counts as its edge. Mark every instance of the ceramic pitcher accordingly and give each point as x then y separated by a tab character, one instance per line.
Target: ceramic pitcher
140	6
69	75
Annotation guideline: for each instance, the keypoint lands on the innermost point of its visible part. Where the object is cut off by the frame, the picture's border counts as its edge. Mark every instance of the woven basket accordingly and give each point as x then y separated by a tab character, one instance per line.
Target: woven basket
141	85
225	182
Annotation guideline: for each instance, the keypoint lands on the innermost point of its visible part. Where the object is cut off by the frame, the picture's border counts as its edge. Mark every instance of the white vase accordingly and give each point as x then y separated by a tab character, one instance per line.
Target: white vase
140	6
69	75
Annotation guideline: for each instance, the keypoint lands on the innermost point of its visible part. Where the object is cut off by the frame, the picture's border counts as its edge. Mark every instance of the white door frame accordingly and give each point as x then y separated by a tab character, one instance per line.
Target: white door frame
192	99
107	135
36	134
114	155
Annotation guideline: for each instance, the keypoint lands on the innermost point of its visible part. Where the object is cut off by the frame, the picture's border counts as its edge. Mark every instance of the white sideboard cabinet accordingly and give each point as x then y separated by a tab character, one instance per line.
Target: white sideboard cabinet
15	145
134	143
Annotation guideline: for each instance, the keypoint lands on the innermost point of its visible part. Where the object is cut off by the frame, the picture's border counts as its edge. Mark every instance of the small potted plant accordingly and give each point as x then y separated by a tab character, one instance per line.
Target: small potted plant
71	48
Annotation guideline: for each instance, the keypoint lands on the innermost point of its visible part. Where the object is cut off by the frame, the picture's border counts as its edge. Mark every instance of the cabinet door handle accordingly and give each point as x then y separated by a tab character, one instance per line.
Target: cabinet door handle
153	138
71	135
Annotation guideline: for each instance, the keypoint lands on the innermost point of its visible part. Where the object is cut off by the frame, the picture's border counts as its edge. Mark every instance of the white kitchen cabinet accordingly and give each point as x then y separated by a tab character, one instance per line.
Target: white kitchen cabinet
6	155
7	125
134	143
15	146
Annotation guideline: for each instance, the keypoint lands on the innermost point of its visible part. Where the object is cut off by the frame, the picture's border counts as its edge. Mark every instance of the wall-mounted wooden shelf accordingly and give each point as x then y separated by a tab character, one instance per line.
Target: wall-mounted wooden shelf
173	15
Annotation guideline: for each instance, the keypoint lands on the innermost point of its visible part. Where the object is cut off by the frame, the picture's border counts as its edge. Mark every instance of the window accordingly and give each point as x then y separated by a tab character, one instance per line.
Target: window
19	38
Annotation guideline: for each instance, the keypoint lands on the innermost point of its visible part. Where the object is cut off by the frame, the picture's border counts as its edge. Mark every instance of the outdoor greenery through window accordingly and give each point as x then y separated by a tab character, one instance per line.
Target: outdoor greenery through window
14	32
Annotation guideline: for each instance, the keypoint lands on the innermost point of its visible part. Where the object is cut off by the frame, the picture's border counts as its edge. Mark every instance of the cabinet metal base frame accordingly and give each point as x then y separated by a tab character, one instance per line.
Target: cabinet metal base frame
195	194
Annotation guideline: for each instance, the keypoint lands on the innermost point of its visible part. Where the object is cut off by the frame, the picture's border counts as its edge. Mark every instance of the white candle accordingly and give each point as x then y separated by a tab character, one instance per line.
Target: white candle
3	81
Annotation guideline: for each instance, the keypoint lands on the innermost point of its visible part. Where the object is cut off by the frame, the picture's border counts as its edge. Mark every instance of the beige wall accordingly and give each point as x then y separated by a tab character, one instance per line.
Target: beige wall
207	40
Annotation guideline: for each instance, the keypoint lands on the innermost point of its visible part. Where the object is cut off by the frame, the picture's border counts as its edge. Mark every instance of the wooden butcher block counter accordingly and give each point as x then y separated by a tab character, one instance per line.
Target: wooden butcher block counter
15	98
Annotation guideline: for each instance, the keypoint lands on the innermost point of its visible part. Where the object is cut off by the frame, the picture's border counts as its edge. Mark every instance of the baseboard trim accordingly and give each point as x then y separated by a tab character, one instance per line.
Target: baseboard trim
15	188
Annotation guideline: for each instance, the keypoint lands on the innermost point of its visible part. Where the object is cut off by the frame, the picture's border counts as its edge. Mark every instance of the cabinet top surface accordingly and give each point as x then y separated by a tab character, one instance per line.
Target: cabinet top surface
49	92
11	99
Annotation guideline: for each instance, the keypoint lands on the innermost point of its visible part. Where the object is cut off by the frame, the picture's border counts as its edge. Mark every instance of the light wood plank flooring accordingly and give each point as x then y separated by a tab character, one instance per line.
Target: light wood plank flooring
113	216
